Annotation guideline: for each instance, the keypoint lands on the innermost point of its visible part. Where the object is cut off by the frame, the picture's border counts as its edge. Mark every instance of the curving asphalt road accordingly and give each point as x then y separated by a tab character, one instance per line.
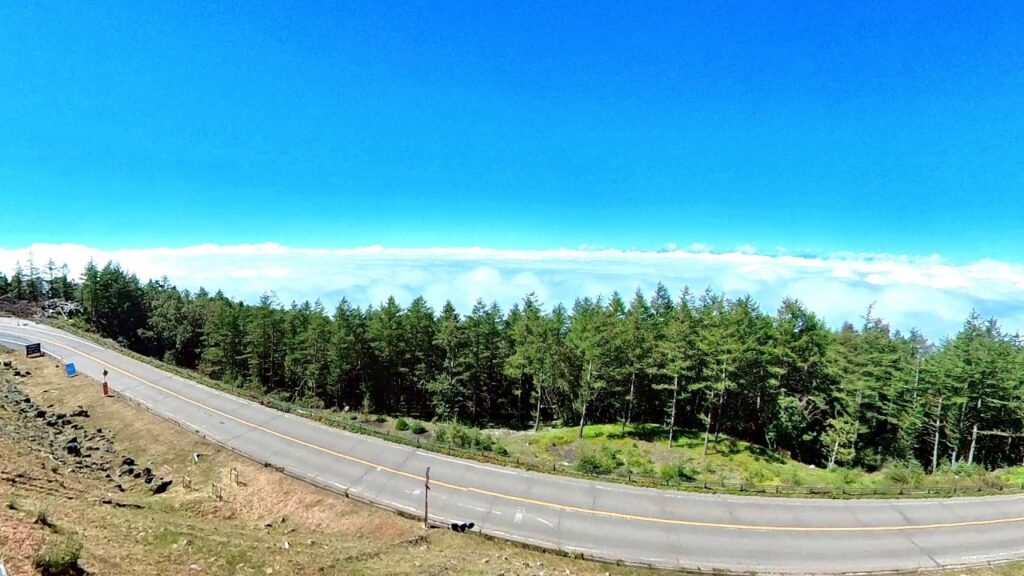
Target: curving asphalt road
597	520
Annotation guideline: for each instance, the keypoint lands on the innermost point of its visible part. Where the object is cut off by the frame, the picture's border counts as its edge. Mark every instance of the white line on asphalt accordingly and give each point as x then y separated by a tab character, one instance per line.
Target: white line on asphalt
463	462
470	506
995	555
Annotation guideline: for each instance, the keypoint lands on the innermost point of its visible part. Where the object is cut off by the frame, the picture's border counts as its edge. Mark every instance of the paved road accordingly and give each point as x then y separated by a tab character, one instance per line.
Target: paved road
598	520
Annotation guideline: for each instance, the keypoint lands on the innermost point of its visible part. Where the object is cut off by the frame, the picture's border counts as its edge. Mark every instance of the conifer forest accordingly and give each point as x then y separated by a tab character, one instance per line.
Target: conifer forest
863	394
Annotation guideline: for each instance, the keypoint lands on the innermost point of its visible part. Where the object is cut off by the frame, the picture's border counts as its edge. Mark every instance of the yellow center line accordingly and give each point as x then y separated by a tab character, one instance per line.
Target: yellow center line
543	503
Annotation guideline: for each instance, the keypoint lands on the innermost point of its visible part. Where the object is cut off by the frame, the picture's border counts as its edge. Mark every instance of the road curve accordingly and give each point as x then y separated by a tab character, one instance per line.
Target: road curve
596	520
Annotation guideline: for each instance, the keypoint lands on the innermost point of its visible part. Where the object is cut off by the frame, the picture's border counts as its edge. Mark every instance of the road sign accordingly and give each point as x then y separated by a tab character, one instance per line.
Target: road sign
69	368
33	350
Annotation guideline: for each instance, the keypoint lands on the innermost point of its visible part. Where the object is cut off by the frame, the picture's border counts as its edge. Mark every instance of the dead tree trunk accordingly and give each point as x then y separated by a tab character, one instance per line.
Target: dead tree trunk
629	402
935	444
672	418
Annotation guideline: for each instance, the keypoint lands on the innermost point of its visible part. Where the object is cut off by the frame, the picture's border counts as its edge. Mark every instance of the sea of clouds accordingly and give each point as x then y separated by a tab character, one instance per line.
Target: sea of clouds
924	292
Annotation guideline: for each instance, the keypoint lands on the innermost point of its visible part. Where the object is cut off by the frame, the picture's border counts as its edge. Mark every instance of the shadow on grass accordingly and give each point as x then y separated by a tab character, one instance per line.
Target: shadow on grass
642	432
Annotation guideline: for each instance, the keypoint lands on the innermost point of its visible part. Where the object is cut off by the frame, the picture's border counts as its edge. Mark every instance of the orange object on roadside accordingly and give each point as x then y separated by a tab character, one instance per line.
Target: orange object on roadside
106	389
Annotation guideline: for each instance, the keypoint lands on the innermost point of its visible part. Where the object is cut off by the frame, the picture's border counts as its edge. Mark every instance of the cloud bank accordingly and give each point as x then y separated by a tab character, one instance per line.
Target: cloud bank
928	293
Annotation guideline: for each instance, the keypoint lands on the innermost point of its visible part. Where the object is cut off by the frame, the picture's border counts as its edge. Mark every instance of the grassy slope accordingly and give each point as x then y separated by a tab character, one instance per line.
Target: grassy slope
646	450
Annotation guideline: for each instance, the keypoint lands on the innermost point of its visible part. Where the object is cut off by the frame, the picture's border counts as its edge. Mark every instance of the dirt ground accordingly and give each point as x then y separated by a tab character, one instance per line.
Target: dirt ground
145	497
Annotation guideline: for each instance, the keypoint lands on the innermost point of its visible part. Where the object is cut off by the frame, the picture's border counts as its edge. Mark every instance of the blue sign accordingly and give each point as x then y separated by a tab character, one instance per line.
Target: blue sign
70	369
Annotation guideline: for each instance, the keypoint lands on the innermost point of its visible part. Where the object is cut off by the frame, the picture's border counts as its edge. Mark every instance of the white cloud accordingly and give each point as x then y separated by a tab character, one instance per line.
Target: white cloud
927	292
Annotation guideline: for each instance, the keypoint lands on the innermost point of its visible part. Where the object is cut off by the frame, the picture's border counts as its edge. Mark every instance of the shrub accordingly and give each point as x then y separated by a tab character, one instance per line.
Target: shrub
59	557
43	517
500	450
591	460
678	471
965	470
904	473
847	477
638	461
13	503
380	419
401	425
310	402
463	437
417	427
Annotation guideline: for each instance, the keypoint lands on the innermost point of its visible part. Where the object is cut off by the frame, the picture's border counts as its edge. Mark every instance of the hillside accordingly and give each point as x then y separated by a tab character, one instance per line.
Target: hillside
236	518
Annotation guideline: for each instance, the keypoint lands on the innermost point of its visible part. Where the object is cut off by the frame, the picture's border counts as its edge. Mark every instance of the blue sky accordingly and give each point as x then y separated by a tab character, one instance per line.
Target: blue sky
257	147
861	128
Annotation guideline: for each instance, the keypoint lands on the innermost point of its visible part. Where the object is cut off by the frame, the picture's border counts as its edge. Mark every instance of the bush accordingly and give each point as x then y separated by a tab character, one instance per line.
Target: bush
463	437
417	427
638	461
965	470
401	425
678	471
43	517
310	402
847	477
904	473
500	450
600	461
59	557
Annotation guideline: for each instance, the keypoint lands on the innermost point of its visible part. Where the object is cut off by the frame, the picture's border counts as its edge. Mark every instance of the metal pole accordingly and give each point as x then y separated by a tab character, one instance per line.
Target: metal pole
426	498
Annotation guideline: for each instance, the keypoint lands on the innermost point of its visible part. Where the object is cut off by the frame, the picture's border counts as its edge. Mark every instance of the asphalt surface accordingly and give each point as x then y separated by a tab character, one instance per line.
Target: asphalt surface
593	519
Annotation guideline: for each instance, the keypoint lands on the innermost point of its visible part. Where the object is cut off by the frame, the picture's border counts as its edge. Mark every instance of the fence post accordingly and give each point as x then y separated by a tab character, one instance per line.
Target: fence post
426	499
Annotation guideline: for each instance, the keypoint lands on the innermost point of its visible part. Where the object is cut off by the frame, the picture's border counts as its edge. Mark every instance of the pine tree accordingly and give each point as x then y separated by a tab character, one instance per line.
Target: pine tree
448	390
677	352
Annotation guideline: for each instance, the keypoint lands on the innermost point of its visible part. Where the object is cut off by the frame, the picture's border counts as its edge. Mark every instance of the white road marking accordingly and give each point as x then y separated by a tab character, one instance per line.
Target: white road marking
995	555
470	506
543	521
465	463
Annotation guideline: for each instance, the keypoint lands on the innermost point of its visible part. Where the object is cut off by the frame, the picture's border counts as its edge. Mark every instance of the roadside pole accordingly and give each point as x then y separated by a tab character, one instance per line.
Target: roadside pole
426	499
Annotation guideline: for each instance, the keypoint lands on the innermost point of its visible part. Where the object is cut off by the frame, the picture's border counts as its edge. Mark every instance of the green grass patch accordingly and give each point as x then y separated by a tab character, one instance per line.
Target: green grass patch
59	557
